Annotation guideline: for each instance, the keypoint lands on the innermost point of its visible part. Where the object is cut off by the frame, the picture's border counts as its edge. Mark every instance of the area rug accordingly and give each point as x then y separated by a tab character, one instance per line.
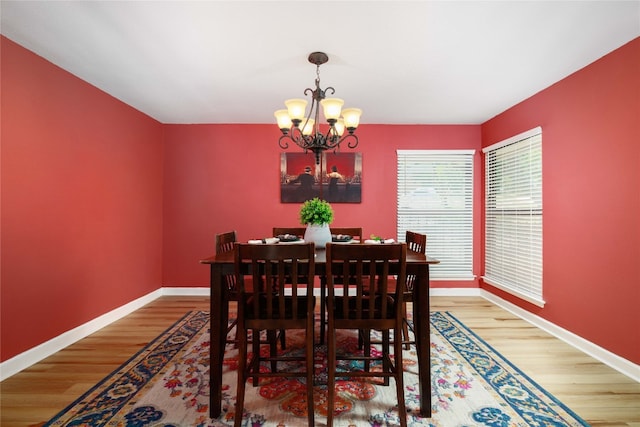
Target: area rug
166	384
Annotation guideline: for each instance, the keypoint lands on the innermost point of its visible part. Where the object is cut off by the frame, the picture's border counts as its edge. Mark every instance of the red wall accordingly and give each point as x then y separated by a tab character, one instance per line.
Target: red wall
81	202
226	177
101	204
591	188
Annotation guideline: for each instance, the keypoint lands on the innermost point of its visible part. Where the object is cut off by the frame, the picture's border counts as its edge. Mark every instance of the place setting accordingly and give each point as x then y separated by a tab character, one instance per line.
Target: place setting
343	238
374	239
281	238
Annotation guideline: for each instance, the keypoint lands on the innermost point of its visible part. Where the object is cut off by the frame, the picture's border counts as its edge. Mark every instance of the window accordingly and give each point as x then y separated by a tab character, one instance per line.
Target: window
435	197
513	215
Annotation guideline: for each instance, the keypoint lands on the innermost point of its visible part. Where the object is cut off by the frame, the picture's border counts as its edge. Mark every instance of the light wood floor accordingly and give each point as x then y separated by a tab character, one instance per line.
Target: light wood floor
599	394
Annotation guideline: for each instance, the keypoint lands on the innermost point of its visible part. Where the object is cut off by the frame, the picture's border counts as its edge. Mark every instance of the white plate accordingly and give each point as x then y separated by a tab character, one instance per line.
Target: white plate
295	242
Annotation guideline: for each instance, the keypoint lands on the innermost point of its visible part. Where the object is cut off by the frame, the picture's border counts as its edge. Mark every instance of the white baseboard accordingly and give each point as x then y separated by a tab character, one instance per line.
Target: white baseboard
36	354
186	292
610	359
454	292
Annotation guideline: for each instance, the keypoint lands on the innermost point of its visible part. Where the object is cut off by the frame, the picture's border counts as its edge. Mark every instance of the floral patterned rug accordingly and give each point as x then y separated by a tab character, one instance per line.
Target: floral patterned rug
166	384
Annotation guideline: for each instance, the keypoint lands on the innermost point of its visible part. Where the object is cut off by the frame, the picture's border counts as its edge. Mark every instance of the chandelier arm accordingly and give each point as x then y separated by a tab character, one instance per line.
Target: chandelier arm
282	142
331	139
303	141
351	144
306	142
355	144
316	124
297	137
316	94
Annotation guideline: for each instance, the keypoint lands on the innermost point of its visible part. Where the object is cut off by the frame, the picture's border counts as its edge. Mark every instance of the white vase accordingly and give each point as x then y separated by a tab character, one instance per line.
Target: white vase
318	234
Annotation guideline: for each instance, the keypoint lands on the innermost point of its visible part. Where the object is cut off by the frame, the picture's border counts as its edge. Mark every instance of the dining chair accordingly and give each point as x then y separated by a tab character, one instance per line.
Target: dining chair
274	305
225	243
356	233
416	242
359	299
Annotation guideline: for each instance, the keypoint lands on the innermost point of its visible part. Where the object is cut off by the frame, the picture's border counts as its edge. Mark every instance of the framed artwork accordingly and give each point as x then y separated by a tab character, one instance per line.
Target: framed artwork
337	179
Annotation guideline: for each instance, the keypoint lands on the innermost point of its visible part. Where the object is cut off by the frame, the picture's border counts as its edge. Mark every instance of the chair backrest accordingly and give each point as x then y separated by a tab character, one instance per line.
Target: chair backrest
296	231
285	277
355	232
416	242
225	243
366	295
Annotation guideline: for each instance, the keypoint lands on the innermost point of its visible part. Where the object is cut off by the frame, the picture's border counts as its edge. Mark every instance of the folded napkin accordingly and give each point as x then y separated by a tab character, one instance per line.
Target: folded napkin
380	241
268	240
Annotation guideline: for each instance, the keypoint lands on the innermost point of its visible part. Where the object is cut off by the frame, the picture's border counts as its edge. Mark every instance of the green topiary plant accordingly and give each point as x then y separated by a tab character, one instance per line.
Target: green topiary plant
316	211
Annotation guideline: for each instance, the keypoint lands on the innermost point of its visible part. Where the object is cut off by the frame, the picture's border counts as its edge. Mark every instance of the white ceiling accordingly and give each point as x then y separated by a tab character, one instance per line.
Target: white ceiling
423	62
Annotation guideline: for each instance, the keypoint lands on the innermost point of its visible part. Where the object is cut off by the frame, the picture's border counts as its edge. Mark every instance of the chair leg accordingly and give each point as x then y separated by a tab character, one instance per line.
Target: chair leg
272	338
242	377
405	327
255	344
323	310
230	328
310	340
331	378
386	356
398	368
366	344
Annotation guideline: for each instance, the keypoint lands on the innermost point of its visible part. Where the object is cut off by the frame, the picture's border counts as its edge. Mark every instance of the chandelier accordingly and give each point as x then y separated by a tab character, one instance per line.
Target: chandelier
304	130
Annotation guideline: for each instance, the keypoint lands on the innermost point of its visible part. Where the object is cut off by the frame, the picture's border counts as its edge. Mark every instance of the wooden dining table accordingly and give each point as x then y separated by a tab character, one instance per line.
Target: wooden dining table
223	264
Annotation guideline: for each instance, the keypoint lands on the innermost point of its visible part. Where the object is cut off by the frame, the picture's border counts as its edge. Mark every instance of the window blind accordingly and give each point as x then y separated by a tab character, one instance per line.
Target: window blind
435	197
513	215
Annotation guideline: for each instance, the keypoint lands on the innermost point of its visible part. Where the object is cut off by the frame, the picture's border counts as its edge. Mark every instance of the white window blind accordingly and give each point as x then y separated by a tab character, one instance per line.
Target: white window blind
435	197
513	215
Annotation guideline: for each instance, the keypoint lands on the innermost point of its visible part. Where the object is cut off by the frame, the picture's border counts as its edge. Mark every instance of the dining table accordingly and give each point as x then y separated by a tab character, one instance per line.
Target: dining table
223	264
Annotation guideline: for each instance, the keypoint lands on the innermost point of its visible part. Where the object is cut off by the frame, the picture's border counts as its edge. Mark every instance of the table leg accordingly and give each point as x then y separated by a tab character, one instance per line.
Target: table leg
422	332
218	337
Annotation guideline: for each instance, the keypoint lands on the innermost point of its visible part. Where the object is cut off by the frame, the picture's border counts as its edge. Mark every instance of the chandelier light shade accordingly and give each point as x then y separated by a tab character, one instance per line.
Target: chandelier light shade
332	108
304	129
